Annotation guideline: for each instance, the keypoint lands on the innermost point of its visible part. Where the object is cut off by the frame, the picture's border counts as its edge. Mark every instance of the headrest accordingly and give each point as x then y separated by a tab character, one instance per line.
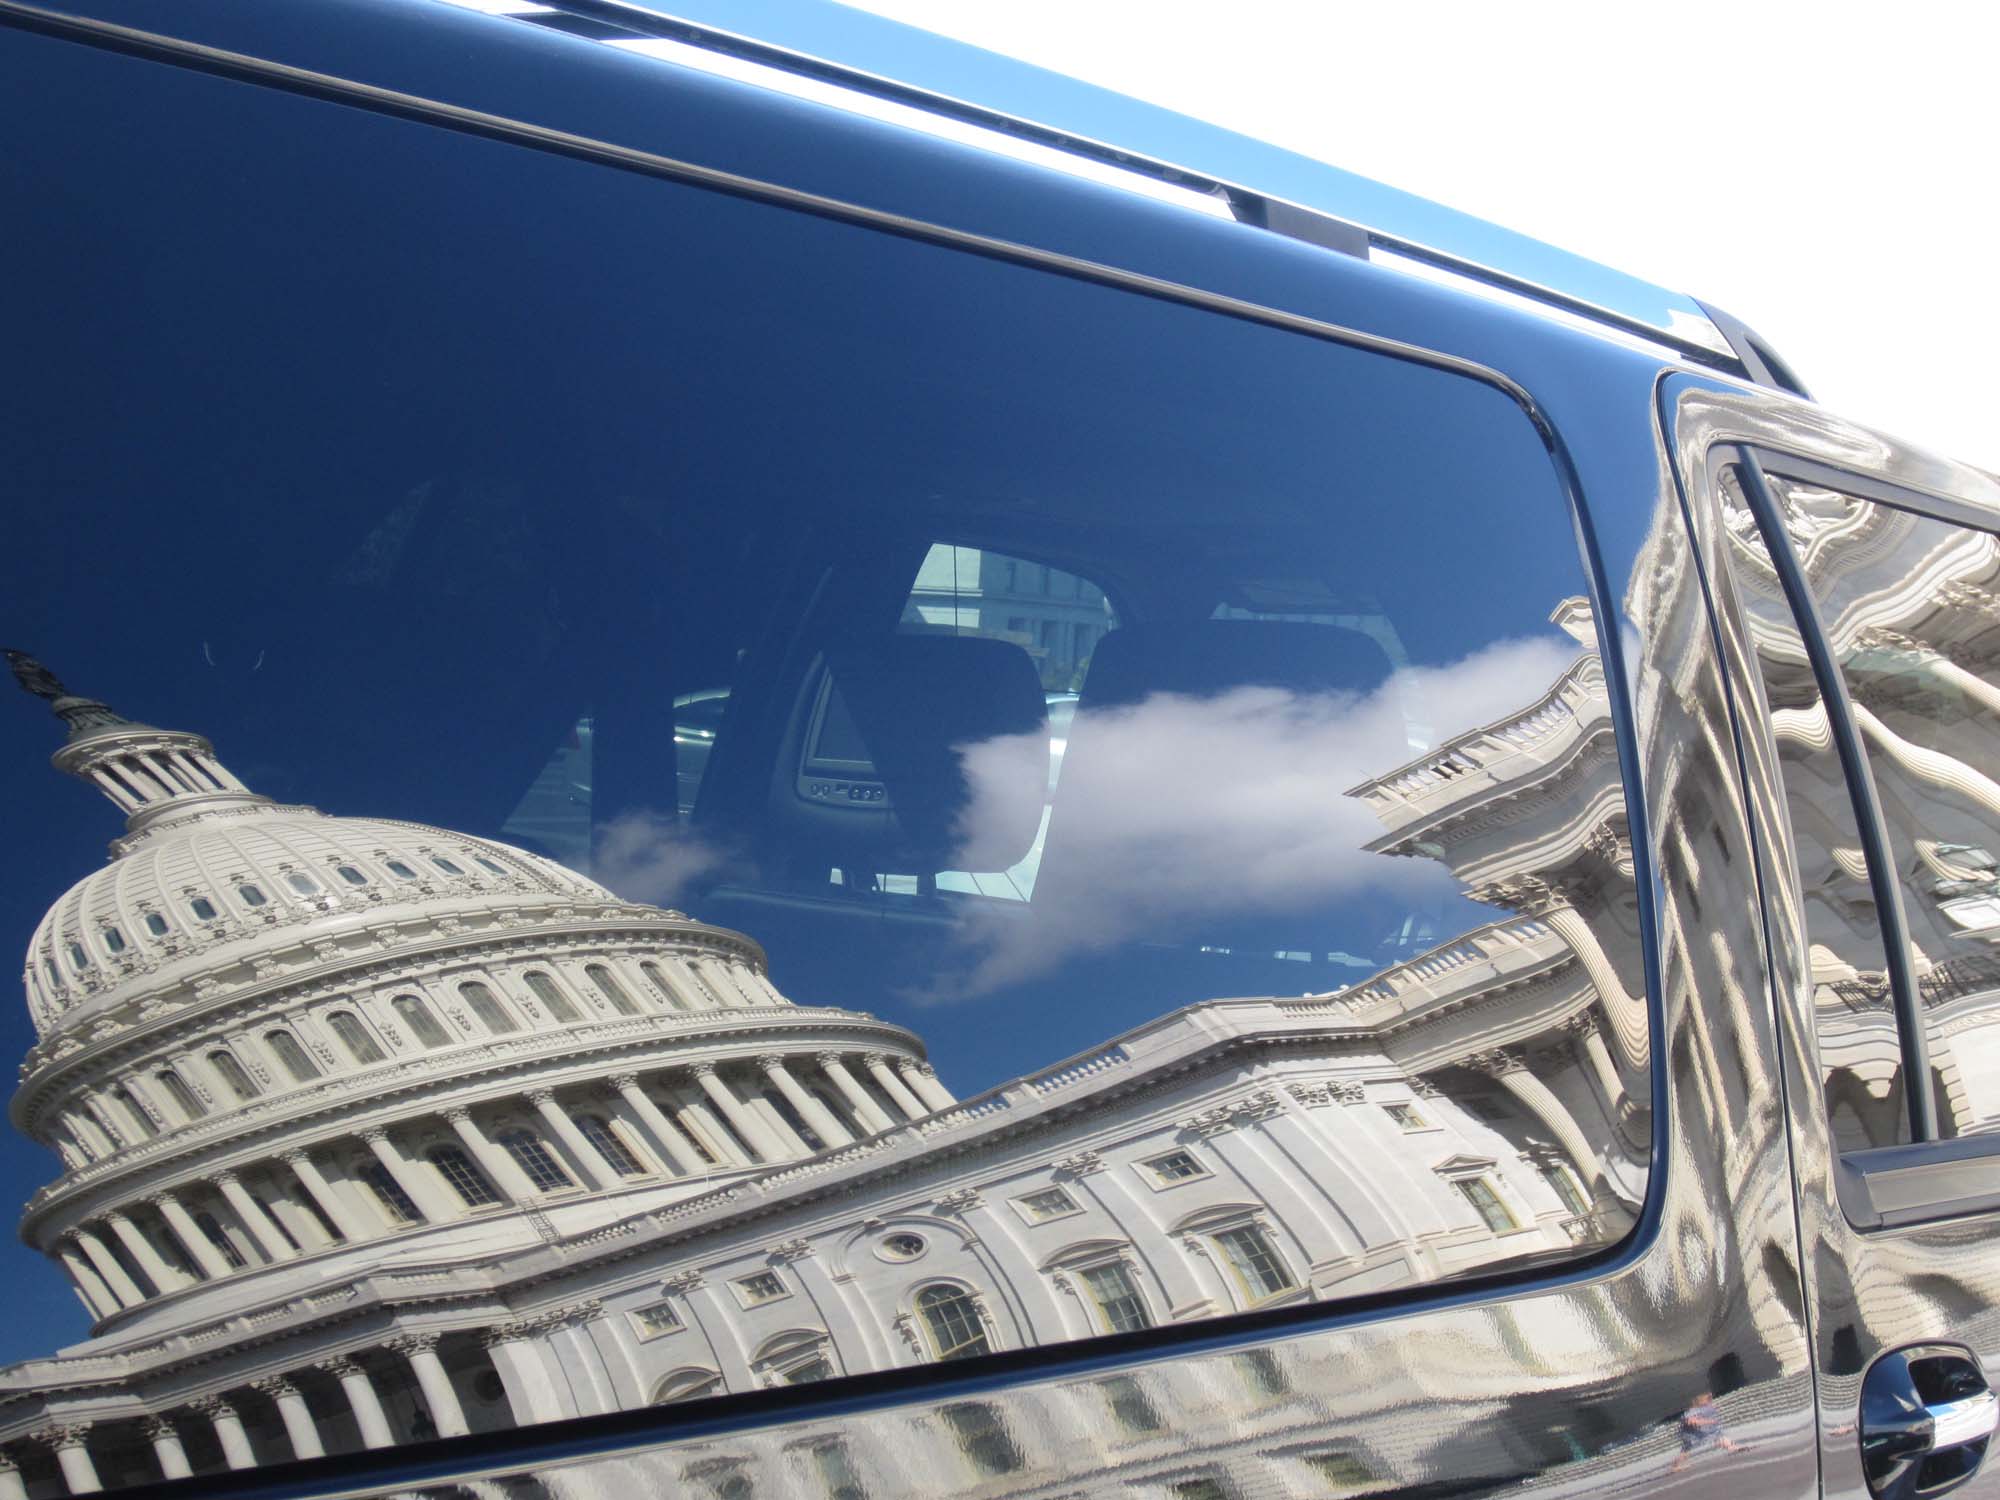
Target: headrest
1201	658
917	702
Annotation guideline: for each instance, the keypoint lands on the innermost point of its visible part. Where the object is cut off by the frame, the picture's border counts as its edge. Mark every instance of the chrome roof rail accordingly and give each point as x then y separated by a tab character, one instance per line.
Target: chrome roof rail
1467	251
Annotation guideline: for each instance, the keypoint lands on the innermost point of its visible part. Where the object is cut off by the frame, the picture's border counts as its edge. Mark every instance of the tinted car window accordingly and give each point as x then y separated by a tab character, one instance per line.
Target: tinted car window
1089	812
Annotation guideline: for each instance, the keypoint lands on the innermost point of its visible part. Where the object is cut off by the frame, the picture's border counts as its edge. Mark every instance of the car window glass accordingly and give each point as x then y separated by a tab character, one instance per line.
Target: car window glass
1087	812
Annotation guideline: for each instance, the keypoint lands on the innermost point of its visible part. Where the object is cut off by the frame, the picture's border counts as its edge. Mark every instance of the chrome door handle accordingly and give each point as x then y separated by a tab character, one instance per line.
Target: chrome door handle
1927	1415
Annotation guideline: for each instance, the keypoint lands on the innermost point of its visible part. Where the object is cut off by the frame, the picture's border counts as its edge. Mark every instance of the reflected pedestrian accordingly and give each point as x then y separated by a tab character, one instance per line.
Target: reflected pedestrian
1701	1430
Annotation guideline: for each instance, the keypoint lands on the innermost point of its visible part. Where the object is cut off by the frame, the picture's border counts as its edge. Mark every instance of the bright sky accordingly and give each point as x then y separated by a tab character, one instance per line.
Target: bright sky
1827	174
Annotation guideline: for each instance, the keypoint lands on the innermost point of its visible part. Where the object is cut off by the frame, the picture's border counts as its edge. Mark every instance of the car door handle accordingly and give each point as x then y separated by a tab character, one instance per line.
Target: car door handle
1927	1415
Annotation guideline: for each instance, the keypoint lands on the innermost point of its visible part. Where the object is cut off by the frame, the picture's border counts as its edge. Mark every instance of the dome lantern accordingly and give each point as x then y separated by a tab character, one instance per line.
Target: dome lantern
150	775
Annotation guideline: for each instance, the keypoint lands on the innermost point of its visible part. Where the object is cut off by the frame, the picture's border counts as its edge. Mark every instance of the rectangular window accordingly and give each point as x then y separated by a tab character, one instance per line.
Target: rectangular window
1406	1116
760	1286
1131	1408
1486	1203
1175	1166
1119	1305
1256	1264
1901	600
656	1318
1045	1204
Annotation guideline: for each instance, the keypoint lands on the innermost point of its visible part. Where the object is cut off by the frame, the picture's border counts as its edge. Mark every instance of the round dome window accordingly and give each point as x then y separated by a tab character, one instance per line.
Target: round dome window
901	1246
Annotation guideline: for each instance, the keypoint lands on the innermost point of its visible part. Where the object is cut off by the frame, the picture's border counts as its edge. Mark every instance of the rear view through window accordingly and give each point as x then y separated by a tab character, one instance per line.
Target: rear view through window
1084	812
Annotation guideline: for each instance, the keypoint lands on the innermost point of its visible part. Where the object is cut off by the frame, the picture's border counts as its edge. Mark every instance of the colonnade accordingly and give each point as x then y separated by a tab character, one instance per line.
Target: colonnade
691	1120
221	1416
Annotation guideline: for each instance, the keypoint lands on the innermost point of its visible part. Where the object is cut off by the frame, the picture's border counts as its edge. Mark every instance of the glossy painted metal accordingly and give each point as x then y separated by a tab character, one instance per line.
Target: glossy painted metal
1593	1379
1868	1292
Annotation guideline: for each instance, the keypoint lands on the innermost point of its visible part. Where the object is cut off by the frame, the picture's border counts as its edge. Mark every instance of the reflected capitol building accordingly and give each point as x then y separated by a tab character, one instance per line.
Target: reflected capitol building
372	1131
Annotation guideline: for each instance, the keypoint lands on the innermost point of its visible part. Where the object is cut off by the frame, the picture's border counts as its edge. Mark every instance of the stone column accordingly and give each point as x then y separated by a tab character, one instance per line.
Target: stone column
519	1361
590	1162
166	1441
858	1099
210	1259
814	1113
294	1221
123	1287
705	1126
321	1192
298	1419
250	1214
923	1082
495	1161
420	1349
765	990
878	1069
236	1451
716	983
790	1142
415	1184
660	1132
362	1400
747	1124
1510	1068
165	1278
72	1457
90	1286
11	1485
1627	1014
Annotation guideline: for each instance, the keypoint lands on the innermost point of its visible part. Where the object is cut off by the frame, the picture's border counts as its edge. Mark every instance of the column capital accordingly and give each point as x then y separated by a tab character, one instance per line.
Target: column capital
512	1331
790	1250
1082	1164
623	1081
1583	1024
959	1200
875	1059
1421	1086
541	1098
161	1199
684	1282
159	1428
828	1059
457	1114
296	1158
212	1407
61	1435
922	1067
116	1216
339	1366
702	1069
769	1061
274	1386
224	1178
374	1134
1497	1062
411	1344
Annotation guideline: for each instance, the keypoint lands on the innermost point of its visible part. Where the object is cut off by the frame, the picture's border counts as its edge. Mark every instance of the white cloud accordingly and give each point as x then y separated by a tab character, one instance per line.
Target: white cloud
648	856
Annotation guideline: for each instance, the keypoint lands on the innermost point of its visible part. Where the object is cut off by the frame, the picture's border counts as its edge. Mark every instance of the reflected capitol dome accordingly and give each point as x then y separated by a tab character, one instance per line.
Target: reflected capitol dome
372	1131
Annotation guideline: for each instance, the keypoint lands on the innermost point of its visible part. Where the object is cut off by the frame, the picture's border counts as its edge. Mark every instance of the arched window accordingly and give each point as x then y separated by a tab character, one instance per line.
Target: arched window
486	1005
354	1037
466	1180
535	1159
225	1247
234	1078
302	883
490	865
389	1192
952	1321
400	870
203	909
608	985
604	1136
156	924
139	1115
1254	1260
291	1056
177	1090
351	875
550	994
659	982
253	895
446	865
78	958
417	1016
114	940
